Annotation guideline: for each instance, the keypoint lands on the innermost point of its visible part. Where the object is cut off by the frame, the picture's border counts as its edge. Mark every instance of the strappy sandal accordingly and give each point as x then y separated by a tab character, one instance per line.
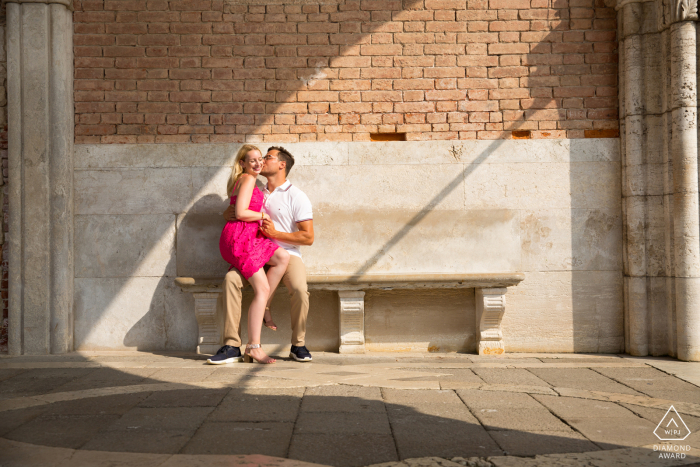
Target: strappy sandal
248	358
269	324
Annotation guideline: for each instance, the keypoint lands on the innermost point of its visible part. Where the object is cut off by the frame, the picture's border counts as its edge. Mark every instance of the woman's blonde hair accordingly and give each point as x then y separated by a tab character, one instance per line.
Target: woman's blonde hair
237	170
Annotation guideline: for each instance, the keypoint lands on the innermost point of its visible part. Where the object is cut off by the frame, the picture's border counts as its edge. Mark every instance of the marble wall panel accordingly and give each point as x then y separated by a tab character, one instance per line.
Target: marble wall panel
132	191
420	321
120	313
408	187
198	245
99	156
125	245
396	241
571	239
566	311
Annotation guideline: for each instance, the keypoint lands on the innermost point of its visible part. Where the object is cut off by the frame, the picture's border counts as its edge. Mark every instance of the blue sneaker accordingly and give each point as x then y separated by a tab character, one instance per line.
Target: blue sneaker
300	354
226	354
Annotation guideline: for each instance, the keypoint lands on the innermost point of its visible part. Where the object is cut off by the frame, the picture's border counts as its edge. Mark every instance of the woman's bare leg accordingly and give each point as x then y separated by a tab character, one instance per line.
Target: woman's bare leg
278	265
256	312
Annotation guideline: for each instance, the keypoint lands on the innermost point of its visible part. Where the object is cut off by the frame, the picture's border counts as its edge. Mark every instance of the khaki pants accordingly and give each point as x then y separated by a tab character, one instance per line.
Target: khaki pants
295	281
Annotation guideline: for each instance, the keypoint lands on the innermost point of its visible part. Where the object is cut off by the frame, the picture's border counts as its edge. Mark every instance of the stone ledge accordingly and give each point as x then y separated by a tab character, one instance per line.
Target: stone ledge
376	281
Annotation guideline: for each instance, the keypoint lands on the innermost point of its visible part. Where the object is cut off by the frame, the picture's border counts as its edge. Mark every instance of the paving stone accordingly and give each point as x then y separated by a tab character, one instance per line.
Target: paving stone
593	359
574	408
7	373
259	405
109	377
267	438
183	375
161	418
403	403
66	431
425	435
522	443
477	400
463	375
13	419
607	424
581	378
106	405
654	383
13	453
656	415
113	459
419	396
40	381
513	376
212	460
343	450
510	411
343	398
342	422
146	441
185	398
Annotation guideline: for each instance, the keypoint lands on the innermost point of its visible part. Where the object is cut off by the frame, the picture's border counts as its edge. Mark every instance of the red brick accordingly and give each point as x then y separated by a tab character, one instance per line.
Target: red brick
383	49
382	5
509	4
95	129
501	49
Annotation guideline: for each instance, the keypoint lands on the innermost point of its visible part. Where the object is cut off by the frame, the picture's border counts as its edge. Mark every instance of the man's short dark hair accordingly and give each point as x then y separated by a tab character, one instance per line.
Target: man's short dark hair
285	156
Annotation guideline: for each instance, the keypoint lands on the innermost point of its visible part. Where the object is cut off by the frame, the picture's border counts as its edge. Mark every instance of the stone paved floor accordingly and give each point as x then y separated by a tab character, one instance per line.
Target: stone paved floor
148	409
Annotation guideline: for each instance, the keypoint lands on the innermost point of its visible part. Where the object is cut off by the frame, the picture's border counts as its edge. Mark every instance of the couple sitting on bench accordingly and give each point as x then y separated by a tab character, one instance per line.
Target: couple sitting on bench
264	228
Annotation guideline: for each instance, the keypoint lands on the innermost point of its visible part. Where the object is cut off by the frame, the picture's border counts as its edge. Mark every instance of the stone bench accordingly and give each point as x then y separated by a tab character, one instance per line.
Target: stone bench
490	294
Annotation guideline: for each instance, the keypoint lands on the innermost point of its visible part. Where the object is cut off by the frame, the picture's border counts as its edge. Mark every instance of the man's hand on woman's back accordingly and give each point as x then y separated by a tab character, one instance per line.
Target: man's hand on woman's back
230	213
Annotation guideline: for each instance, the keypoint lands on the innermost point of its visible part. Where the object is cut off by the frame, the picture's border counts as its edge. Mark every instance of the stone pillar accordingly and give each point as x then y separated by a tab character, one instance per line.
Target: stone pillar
41	123
659	146
490	307
352	321
684	147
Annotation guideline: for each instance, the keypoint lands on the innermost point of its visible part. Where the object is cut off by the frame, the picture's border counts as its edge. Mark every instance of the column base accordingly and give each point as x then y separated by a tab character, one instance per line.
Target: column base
491	348
352	349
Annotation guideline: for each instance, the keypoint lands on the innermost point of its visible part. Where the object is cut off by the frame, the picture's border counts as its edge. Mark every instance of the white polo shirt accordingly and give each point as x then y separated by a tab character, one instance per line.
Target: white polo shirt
286	206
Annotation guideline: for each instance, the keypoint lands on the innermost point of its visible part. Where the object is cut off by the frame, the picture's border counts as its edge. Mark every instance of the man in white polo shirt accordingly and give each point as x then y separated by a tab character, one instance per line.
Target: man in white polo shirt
291	226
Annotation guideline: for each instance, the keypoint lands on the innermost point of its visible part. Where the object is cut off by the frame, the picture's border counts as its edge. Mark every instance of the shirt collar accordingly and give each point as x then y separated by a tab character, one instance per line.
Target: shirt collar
283	187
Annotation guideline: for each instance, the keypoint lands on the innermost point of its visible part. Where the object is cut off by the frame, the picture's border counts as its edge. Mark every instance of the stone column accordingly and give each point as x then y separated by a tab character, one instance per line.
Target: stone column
684	147
41	124
659	146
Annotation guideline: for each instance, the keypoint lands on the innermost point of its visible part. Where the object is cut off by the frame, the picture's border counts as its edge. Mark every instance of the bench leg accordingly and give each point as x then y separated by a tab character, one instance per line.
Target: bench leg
490	306
210	328
352	321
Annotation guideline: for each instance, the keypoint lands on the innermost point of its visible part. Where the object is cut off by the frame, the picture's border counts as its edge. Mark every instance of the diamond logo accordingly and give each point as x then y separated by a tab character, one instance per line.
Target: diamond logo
672	427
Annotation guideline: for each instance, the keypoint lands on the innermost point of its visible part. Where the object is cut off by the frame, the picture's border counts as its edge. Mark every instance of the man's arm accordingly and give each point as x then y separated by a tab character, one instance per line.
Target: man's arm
304	236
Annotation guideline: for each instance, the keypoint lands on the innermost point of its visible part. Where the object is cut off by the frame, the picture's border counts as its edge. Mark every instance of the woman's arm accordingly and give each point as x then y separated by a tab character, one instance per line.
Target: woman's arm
245	193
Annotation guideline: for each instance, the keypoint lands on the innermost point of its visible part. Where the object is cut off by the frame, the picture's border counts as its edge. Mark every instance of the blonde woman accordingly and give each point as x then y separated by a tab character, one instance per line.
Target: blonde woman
244	247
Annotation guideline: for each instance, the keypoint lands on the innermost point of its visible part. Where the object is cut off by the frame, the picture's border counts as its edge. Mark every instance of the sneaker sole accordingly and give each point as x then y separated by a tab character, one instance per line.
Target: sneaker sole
228	360
293	355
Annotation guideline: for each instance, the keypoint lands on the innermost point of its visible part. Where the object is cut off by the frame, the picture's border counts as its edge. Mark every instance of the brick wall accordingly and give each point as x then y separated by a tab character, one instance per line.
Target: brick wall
210	70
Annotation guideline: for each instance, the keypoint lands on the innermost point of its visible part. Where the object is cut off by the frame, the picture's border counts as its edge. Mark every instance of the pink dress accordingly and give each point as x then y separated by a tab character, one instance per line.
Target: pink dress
242	244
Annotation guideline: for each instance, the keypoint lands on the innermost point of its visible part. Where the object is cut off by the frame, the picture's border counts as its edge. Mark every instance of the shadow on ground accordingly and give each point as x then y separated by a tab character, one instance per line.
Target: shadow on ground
336	424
